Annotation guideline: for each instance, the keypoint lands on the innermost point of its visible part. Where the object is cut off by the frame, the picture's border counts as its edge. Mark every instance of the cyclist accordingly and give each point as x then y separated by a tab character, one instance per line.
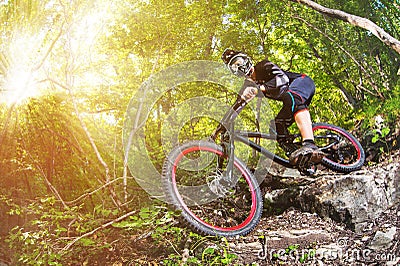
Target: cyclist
295	90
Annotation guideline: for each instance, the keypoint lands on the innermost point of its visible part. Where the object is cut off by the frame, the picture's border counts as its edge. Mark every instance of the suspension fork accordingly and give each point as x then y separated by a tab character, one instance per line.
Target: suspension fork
228	143
228	149
231	153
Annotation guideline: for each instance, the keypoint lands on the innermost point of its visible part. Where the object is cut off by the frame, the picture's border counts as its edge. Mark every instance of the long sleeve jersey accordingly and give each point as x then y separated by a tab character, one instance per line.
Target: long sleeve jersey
274	80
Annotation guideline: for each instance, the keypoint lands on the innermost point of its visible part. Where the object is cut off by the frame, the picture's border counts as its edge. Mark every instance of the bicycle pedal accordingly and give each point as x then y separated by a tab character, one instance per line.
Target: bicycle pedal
310	170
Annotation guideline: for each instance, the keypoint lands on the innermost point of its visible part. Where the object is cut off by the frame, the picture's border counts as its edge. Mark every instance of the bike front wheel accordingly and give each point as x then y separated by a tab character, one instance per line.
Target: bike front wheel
196	183
344	152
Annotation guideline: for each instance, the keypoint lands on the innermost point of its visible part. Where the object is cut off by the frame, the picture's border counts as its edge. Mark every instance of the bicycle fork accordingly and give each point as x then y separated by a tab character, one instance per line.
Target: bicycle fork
229	152
228	144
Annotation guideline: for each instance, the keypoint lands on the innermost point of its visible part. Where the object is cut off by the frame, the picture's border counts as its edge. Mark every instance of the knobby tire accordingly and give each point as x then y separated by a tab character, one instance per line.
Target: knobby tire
353	146
230	216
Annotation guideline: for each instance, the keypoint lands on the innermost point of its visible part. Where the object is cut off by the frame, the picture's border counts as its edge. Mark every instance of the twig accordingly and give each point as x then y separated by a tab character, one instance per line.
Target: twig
173	247
87	194
69	245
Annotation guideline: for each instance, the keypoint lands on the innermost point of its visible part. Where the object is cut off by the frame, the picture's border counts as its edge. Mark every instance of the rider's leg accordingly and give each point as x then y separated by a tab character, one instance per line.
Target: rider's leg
284	118
301	93
303	122
309	151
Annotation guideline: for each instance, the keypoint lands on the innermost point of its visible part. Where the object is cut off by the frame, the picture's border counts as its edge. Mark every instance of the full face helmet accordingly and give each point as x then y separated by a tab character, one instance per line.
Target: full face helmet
238	63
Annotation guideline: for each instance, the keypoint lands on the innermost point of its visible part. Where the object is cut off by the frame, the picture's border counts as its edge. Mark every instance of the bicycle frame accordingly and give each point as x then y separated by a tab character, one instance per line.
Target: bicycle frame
231	135
243	137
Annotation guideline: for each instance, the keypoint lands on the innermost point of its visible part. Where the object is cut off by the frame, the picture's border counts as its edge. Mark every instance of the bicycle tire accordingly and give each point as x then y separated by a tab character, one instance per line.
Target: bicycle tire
194	213
352	147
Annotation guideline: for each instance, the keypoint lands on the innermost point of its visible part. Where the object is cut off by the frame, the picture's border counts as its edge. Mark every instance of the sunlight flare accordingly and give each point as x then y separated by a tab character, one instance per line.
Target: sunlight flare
60	50
20	85
20	80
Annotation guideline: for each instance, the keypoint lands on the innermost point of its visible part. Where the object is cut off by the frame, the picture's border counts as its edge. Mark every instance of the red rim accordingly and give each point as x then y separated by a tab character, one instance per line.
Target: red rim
355	145
185	207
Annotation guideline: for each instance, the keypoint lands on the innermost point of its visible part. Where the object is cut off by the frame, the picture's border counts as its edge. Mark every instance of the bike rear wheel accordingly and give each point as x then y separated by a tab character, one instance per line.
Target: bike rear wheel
194	176
344	152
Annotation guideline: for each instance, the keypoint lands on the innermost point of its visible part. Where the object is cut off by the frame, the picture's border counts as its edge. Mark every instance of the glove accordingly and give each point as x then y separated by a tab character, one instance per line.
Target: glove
249	93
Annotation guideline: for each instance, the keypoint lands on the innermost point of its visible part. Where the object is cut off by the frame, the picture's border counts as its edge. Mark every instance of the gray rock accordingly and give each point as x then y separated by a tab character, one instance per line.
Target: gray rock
383	240
353	199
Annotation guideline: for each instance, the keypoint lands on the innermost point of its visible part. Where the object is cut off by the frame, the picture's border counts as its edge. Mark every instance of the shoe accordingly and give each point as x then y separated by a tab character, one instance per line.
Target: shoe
308	153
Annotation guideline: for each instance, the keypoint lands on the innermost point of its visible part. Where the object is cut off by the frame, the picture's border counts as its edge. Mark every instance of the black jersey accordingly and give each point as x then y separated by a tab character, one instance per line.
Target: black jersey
274	80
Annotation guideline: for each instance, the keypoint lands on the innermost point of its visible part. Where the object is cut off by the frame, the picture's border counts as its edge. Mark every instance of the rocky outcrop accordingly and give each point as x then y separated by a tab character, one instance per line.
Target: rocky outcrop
343	219
353	199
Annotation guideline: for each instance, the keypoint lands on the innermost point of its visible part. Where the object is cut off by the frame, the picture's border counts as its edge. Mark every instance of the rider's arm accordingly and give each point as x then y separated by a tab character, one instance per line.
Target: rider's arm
248	91
274	81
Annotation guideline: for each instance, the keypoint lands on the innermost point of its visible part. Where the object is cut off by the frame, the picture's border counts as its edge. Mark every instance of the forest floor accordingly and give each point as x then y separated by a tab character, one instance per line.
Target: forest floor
298	238
292	237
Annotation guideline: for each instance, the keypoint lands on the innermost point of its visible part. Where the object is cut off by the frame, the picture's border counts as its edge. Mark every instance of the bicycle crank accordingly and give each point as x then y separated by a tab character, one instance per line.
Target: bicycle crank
307	169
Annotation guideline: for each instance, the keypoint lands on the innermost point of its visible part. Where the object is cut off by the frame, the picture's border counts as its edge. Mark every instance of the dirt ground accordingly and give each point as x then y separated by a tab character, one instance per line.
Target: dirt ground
298	238
291	238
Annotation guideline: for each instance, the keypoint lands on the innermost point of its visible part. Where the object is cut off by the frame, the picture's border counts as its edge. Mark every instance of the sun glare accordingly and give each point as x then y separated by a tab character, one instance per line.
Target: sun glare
19	86
26	61
19	81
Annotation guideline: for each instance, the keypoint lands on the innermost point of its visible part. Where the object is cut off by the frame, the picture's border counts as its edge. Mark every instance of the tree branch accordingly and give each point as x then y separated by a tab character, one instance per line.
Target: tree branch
355	21
87	194
99	228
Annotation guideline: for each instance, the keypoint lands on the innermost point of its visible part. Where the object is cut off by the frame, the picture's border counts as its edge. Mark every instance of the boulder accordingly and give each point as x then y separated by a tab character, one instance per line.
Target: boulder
354	199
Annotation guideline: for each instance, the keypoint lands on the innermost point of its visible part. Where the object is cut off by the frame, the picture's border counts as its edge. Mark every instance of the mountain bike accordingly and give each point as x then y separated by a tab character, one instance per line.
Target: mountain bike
216	191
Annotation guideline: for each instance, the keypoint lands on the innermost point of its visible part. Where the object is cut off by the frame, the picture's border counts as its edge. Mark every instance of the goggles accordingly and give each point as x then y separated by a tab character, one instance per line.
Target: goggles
240	65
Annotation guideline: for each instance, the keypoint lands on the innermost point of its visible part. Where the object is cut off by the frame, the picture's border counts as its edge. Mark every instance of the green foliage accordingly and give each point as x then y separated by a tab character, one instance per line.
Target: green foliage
155	218
48	149
291	248
50	228
36	243
308	255
382	136
87	66
214	252
378	135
